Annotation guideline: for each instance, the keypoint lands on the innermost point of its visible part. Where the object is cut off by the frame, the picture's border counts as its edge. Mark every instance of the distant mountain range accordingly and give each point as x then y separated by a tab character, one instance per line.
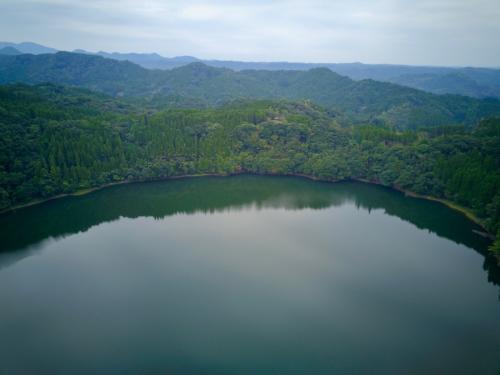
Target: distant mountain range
469	81
197	84
474	82
9	51
29	47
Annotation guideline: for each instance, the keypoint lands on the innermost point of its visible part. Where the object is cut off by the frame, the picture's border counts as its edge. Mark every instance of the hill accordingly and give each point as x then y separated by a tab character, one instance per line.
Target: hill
92	72
361	101
468	81
28	47
9	51
473	82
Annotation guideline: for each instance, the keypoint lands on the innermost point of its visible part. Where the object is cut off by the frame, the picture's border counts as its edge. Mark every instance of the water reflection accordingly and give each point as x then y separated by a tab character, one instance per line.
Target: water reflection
24	230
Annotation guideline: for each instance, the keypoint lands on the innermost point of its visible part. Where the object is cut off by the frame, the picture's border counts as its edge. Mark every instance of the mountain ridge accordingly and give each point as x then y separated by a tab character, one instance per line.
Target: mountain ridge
470	81
9	51
29	47
362	101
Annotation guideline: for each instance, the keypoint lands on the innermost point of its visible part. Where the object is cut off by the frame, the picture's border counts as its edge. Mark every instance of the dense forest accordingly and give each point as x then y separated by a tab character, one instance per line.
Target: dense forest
200	85
58	140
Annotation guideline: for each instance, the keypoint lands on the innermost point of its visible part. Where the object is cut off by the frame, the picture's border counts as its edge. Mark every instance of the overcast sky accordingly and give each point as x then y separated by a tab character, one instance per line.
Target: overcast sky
417	32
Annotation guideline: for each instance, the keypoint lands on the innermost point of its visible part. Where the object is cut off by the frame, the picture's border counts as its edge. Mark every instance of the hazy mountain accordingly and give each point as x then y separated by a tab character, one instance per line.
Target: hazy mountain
146	60
362	101
93	72
9	51
474	82
28	47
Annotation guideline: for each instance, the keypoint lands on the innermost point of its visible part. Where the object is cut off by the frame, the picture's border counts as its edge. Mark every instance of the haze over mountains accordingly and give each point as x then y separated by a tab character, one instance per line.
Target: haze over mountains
28	47
468	81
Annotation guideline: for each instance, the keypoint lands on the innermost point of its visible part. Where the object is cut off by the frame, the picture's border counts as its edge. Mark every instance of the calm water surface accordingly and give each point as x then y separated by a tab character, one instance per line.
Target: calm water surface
246	275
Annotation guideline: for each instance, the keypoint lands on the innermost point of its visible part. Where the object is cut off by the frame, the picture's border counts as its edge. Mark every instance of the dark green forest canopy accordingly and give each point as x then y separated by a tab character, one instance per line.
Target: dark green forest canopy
198	85
57	140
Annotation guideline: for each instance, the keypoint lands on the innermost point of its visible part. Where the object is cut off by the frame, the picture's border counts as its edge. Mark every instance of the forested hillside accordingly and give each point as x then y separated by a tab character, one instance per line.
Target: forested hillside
59	140
468	81
362	101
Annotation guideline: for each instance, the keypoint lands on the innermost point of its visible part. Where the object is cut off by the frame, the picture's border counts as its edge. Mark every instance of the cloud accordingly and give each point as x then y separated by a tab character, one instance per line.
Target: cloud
431	32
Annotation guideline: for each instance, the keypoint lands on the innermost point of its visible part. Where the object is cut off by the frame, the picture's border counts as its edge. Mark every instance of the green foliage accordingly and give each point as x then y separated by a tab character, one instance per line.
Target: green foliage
58	140
198	85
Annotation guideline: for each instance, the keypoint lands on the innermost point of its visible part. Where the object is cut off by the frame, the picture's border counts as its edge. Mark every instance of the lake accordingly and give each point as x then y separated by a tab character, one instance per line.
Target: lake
246	275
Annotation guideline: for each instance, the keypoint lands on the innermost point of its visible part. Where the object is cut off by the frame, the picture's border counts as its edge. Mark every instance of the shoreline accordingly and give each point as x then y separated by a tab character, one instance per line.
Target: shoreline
101	187
467	212
452	205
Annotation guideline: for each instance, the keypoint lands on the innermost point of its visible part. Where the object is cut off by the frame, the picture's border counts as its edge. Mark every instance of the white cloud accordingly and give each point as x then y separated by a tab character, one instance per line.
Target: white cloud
439	32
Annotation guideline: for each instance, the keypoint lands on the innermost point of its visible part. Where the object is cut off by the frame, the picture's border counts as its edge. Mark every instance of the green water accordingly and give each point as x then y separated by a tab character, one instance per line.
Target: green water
246	275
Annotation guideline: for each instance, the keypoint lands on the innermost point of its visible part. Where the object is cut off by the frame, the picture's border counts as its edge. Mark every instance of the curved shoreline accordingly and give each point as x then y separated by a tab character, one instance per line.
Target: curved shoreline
467	212
452	205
